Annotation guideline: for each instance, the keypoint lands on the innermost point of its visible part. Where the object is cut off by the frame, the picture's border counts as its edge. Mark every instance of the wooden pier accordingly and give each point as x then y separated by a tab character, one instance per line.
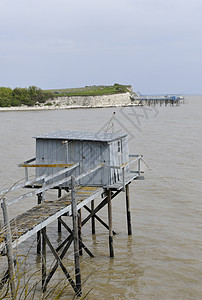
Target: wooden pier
171	100
74	198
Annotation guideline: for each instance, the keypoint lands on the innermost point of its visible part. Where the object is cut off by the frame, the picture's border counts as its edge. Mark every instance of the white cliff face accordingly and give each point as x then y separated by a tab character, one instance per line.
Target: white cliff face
115	100
94	101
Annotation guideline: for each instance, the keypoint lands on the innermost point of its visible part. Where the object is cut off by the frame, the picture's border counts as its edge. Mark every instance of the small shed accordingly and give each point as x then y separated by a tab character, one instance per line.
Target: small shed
89	149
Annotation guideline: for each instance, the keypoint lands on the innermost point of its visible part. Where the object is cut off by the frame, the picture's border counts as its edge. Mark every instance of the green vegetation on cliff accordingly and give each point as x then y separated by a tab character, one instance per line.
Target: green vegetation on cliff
35	96
94	90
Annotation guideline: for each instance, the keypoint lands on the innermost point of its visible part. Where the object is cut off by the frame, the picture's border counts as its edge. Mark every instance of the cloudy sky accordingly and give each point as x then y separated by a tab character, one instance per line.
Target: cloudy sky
154	45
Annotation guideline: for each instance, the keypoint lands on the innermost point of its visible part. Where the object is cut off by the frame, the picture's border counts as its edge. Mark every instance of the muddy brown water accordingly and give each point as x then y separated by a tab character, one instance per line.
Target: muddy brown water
163	257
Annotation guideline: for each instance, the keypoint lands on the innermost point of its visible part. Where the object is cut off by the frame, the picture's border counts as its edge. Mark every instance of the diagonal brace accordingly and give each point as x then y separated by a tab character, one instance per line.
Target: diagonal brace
100	206
51	273
57	257
82	244
98	218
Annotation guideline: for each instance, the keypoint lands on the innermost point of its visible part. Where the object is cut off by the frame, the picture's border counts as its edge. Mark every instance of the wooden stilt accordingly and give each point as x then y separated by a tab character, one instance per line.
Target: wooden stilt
93	217
76	239
128	210
9	248
79	232
39	232
43	258
111	249
59	223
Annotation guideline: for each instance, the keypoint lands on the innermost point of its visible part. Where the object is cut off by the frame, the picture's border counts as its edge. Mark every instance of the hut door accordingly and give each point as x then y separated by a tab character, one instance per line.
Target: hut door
117	160
119	152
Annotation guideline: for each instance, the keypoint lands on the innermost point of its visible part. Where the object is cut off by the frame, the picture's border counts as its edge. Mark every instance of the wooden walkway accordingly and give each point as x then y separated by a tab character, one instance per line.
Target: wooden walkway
38	217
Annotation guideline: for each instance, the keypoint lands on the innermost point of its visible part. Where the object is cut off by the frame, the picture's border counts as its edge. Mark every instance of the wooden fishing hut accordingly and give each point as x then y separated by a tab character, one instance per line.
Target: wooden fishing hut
86	148
85	165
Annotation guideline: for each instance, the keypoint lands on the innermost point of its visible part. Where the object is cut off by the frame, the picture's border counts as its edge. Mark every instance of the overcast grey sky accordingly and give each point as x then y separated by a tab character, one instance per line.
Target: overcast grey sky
154	45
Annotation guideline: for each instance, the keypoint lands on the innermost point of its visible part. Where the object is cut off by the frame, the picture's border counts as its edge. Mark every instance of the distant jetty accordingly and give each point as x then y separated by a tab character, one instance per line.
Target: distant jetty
154	100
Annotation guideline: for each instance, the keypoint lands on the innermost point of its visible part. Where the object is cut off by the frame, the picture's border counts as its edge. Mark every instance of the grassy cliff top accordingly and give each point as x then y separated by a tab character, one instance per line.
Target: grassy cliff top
93	90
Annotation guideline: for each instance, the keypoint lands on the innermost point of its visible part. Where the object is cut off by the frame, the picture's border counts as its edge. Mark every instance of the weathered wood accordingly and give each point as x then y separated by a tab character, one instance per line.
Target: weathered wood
79	232
43	258
54	184
68	242
76	238
46	165
99	207
99	219
71	232
39	232
111	249
59	223
93	217
60	263
128	210
9	248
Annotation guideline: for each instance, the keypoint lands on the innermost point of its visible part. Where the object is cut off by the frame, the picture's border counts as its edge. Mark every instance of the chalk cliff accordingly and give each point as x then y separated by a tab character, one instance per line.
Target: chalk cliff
93	101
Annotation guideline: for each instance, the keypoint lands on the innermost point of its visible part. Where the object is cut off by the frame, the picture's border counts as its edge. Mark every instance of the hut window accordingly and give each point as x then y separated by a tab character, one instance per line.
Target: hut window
119	146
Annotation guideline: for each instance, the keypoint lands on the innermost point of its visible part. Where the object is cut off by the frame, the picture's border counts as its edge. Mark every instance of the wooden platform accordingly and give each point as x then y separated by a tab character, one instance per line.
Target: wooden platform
38	217
128	179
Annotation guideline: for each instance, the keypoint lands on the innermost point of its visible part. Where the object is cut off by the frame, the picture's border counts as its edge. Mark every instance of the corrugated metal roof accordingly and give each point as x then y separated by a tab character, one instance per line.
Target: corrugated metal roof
79	135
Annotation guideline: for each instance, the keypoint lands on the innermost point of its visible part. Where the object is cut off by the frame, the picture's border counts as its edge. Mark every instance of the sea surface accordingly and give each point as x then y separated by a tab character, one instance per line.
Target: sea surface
163	257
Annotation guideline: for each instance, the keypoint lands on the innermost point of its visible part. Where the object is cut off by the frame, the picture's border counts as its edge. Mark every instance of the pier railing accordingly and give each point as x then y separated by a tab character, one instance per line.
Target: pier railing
44	179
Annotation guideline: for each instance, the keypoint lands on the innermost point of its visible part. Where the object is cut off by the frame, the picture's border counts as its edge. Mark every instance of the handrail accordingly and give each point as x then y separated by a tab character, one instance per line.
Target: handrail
27	161
31	182
139	157
54	184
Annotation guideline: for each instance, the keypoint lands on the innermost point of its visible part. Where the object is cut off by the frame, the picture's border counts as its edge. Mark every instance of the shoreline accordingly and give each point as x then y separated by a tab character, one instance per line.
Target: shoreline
44	107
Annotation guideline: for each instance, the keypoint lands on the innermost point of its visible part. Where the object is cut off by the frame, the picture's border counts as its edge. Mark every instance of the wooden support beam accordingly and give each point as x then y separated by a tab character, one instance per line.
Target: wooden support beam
100	206
71	232
11	270
79	232
39	196
59	223
57	257
98	218
111	249
51	273
43	258
93	217
76	237
128	210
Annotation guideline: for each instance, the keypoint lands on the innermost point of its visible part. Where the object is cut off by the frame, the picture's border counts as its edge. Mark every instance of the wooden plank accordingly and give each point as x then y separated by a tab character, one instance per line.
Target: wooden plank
52	211
46	165
119	185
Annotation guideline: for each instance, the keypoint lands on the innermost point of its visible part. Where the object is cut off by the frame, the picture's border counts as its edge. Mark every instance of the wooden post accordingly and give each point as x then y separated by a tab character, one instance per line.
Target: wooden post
76	238
39	232
9	248
79	232
59	223
43	258
93	217
128	210
111	249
